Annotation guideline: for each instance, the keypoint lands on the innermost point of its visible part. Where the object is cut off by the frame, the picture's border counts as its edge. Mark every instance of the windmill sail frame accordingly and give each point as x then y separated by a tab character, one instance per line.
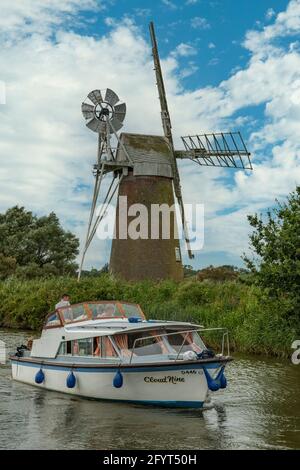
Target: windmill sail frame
219	149
167	127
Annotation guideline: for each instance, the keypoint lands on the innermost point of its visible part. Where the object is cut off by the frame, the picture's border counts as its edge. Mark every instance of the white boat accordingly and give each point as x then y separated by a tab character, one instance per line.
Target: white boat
109	351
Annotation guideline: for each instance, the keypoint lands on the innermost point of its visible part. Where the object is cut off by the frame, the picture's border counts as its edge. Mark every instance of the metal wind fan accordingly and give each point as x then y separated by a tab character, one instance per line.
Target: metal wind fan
104	113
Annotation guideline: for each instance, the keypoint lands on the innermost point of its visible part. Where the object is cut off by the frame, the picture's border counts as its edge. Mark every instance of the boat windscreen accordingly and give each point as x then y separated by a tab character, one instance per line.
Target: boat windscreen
73	313
104	310
131	310
96	310
53	320
111	310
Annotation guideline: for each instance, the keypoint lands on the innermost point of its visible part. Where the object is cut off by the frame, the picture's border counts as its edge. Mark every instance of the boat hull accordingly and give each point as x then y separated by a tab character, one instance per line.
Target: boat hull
172	385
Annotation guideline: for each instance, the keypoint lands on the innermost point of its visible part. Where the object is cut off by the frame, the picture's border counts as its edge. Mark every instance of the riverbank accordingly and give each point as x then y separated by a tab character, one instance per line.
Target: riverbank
257	323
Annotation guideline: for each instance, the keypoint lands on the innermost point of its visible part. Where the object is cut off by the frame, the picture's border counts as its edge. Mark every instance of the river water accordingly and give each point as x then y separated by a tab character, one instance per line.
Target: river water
260	409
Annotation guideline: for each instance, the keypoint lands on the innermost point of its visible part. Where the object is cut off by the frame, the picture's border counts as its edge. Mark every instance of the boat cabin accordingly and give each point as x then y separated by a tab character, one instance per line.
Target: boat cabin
111	331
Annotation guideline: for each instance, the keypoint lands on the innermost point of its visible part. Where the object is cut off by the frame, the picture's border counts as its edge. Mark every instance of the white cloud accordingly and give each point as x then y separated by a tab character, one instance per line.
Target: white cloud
214	61
47	153
169	4
199	23
2	93
188	71
270	13
22	17
287	23
184	50
143	12
211	45
271	79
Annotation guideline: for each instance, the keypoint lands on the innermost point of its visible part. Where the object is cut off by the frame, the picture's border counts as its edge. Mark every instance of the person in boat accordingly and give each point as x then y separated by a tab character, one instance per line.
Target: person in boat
189	339
108	311
64	302
29	343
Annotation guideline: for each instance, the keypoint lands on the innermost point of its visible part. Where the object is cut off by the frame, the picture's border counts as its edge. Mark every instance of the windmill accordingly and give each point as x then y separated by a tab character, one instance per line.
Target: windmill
144	170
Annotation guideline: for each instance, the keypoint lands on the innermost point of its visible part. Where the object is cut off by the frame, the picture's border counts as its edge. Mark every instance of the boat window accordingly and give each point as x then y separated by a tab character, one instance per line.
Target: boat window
121	340
147	343
62	349
65	348
53	320
77	347
73	313
103	347
191	341
198	340
82	347
131	310
103	310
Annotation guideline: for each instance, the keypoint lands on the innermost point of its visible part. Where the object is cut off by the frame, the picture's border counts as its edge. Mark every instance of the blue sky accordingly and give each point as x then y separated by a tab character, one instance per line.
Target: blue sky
227	65
215	28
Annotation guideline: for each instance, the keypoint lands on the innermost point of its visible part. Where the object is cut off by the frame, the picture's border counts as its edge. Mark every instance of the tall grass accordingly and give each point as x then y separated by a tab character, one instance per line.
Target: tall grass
257	324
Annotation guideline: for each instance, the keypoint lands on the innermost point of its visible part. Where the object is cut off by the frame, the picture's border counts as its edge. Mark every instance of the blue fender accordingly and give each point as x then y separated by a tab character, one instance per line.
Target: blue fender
39	377
212	384
71	380
219	382
221	379
118	380
223	382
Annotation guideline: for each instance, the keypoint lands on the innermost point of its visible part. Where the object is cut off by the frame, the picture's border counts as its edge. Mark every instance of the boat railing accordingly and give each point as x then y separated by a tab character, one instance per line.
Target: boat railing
224	343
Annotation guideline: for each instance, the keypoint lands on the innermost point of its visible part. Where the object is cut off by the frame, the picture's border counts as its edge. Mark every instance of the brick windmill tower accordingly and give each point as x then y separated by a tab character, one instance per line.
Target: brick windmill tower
144	171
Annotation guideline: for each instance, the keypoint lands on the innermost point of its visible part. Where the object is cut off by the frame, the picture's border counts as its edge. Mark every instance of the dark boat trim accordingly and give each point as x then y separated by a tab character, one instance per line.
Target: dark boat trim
130	367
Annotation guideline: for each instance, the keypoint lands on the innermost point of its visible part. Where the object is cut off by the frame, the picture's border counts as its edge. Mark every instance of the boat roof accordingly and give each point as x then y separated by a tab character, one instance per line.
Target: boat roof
115	326
106	317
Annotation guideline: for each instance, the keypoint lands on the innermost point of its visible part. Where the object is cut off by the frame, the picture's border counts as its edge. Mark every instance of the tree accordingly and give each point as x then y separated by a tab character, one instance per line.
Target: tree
188	270
275	246
39	245
218	273
7	266
104	269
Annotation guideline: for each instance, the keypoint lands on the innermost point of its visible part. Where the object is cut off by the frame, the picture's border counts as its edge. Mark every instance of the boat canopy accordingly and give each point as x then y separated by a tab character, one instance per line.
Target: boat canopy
93	311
